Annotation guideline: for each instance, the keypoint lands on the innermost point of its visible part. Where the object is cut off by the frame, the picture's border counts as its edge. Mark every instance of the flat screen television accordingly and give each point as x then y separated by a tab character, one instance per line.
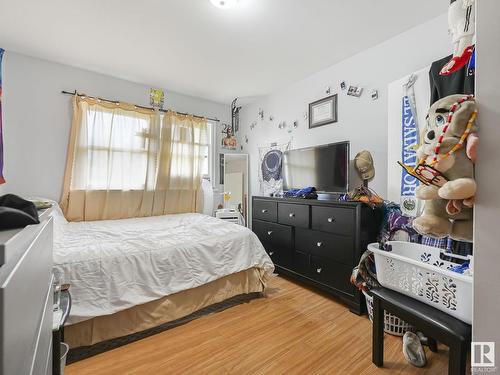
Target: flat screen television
325	167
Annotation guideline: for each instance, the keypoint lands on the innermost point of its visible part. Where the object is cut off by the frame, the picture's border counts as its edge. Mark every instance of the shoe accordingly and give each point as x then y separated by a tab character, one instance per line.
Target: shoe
413	350
423	339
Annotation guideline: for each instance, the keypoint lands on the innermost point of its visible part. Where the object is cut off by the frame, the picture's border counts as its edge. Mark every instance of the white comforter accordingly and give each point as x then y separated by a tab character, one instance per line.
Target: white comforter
116	264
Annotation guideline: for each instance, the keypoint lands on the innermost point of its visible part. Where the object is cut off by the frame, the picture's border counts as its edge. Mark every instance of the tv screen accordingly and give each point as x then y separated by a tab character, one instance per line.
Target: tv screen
324	167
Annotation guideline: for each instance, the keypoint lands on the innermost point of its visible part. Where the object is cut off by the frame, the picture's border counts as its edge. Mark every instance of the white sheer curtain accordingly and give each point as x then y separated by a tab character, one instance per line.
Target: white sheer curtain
183	152
115	148
124	161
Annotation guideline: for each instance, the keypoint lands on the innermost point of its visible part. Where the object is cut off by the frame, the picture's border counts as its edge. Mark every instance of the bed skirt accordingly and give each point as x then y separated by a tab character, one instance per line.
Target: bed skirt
167	309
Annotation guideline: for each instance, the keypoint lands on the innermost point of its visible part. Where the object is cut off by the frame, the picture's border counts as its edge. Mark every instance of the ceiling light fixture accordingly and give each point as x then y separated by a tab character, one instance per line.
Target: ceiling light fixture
224	4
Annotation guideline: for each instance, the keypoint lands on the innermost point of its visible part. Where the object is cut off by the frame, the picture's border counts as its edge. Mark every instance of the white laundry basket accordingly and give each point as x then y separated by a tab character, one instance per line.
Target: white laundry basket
419	272
392	324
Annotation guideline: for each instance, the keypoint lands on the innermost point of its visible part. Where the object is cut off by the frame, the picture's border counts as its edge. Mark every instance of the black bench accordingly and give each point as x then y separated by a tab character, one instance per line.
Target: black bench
432	322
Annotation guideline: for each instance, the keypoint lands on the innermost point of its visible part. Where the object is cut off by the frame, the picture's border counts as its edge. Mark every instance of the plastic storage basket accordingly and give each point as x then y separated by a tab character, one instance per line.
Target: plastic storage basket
64	355
392	324
419	272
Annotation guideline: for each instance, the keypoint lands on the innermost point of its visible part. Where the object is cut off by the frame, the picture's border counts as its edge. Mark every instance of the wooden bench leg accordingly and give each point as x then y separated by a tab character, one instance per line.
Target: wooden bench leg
458	359
378	333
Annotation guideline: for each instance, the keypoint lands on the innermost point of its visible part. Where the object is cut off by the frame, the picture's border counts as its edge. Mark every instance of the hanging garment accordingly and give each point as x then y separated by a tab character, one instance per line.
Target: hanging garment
462	30
458	82
364	275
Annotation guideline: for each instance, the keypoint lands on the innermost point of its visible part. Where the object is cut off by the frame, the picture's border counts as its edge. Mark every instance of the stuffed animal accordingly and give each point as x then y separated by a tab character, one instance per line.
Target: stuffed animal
446	171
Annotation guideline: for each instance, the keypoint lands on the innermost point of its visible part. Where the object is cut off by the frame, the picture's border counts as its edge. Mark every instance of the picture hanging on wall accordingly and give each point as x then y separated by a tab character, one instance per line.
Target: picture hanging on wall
228	139
355	91
323	111
270	168
156	98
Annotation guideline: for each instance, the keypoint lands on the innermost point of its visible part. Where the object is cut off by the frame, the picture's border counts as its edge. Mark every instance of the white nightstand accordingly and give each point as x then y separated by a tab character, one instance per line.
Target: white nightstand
231	215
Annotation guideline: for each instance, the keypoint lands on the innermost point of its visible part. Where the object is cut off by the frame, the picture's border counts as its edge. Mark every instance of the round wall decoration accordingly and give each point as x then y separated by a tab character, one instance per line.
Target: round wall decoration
271	165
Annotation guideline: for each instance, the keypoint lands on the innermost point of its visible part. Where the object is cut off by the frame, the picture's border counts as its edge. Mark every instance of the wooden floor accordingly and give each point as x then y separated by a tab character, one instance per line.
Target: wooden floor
295	330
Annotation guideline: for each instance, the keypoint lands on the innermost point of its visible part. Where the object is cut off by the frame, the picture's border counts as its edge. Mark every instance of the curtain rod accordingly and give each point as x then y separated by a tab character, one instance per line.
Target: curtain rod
138	106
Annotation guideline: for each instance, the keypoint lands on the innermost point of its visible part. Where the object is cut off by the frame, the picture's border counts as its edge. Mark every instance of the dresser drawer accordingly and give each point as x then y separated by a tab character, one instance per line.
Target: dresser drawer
333	219
331	246
276	234
265	210
24	295
301	262
332	274
280	256
296	215
43	351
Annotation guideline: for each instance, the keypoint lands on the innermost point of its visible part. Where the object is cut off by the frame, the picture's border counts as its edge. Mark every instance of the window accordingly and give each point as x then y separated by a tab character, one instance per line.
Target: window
115	147
191	150
123	155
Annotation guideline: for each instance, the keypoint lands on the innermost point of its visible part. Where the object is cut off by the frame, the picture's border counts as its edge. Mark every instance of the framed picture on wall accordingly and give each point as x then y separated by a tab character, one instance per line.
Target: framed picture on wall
323	111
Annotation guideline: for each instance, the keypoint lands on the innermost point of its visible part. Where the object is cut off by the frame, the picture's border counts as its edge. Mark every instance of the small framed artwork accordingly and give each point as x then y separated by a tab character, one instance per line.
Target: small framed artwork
156	98
355	91
323	111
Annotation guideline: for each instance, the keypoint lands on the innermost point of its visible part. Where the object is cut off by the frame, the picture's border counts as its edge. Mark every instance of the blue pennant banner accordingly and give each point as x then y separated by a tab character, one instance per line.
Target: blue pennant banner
410	143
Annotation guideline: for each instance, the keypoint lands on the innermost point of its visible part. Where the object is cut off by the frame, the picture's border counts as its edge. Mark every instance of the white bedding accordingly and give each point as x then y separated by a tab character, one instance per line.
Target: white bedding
113	265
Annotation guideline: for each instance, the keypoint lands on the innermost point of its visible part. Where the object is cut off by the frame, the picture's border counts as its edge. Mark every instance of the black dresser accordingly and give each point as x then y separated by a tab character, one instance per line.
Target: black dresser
317	241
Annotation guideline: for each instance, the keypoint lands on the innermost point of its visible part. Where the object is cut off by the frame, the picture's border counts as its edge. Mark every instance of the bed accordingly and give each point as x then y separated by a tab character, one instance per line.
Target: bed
130	275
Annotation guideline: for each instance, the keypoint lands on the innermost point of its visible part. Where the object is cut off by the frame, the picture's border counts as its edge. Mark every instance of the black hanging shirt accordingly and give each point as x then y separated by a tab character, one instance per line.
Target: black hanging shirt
458	82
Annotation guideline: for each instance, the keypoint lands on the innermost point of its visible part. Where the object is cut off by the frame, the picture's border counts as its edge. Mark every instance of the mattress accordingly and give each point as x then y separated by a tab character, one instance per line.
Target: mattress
113	265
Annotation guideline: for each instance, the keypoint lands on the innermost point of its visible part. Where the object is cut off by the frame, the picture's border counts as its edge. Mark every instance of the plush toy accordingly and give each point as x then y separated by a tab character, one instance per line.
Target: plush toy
445	169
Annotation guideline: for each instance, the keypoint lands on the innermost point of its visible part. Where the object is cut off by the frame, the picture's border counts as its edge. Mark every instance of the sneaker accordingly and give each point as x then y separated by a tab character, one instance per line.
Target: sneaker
413	350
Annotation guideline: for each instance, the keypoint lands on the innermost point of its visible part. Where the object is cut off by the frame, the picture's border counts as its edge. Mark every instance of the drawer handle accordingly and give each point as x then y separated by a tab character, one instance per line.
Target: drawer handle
264	211
269	232
318	270
319	244
271	253
291	214
331	219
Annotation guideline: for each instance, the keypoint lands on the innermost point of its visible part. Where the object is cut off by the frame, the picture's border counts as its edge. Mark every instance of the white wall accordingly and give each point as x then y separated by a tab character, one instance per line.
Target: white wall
487	208
37	117
362	121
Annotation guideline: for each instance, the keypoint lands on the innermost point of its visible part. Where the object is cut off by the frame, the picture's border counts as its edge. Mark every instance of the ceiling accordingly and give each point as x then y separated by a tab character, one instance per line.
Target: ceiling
194	48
